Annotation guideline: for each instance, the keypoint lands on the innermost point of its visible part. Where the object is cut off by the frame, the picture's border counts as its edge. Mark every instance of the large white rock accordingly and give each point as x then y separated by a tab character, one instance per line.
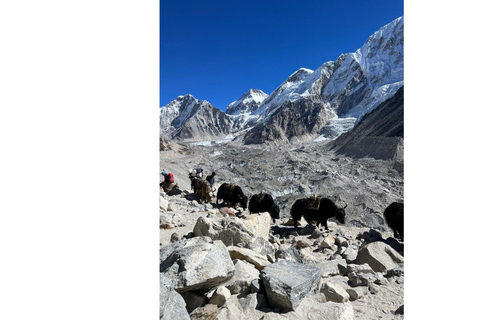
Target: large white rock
380	256
172	305
245	273
259	224
258	260
196	264
229	230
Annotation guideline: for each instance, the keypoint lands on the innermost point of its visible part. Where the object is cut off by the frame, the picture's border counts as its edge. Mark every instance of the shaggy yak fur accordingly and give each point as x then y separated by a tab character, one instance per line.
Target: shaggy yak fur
394	217
263	202
232	194
203	190
326	210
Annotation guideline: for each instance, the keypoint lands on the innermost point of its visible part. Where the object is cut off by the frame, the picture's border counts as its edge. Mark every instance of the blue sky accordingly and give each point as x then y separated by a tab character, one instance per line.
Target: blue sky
217	50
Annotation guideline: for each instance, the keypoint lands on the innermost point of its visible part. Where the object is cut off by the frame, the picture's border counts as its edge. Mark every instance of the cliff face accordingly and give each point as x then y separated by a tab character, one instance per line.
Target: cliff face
378	135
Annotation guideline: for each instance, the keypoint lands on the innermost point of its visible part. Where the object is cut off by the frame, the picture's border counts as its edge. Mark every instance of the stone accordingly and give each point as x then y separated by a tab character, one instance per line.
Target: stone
260	245
248	255
362	268
300	244
380	279
288	253
196	264
316	234
334	292
355	293
380	256
399	310
172	306
350	254
395	272
255	286
331	267
341	242
253	301
193	300
241	282
259	224
287	283
327	242
232	230
359	279
209	312
175	237
308	229
231	310
163	203
221	295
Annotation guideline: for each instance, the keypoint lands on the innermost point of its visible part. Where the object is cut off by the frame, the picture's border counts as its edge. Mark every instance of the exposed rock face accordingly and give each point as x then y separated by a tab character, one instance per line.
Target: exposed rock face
258	260
241	282
293	121
221	295
287	283
196	264
379	256
188	119
172	305
378	135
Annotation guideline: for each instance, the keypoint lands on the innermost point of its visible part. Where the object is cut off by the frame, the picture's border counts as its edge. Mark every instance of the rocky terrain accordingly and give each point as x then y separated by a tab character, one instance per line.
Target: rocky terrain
220	263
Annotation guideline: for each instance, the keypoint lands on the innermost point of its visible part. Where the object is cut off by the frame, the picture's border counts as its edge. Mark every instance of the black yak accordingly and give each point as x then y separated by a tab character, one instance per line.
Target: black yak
232	194
394	217
263	202
324	210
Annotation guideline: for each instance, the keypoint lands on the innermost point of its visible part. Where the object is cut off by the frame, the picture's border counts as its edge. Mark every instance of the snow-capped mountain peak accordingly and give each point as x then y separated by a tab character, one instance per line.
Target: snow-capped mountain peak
248	102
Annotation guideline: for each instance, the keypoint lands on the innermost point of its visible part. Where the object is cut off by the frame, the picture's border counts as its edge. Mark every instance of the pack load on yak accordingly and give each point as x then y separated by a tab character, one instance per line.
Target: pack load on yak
168	184
202	188
313	202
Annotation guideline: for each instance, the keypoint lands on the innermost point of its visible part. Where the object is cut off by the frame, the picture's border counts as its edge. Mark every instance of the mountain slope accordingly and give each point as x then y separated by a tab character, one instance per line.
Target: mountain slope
350	87
378	135
248	102
188	119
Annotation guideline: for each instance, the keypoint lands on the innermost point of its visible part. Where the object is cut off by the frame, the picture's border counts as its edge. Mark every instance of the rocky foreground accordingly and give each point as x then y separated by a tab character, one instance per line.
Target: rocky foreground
219	263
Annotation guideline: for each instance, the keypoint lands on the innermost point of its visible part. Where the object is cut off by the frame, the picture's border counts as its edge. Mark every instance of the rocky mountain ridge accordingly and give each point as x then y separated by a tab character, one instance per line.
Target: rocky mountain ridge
344	90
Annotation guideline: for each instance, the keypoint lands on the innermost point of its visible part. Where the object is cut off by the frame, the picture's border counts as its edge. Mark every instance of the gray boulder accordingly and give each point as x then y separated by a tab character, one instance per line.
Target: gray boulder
221	295
287	283
196	264
245	274
350	254
253	301
288	253
172	305
193	300
260	245
334	292
380	256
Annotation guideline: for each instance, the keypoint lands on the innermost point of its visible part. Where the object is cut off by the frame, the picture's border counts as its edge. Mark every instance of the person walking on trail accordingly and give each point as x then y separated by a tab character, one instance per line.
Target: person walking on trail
211	179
